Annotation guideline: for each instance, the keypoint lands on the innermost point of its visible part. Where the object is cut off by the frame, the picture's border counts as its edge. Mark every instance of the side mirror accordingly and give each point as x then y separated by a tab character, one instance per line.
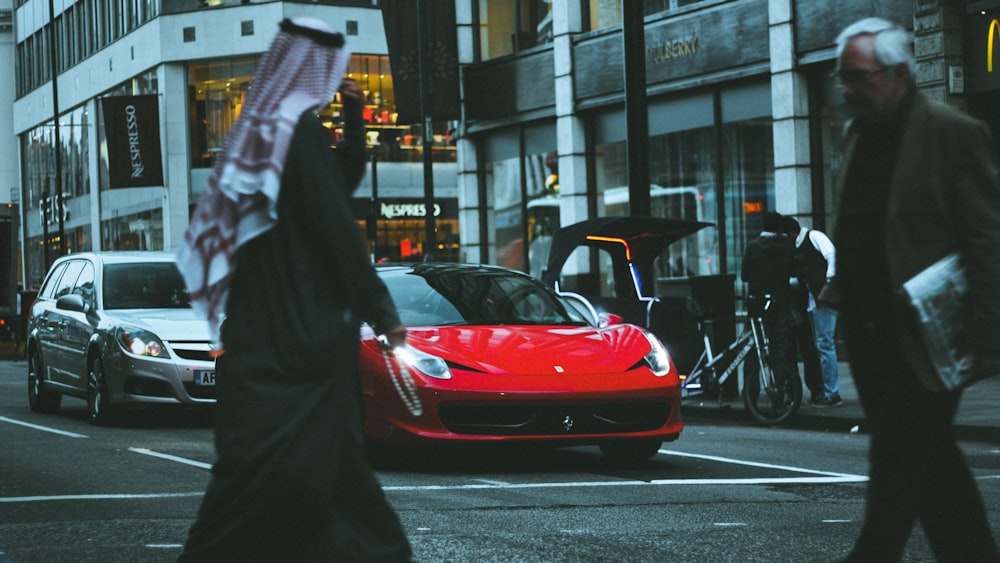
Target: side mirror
604	320
73	302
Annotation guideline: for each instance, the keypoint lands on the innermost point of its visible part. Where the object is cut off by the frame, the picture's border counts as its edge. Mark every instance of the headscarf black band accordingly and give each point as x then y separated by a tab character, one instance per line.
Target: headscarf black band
334	40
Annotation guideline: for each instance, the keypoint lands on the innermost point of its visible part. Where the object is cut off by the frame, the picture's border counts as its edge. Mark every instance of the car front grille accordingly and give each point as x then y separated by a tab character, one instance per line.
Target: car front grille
554	420
198	351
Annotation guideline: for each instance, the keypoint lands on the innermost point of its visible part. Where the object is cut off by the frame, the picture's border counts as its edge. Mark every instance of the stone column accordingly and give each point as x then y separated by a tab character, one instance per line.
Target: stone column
790	112
468	177
571	142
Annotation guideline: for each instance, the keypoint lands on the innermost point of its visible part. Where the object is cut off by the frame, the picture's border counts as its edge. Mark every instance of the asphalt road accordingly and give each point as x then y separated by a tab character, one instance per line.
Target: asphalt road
70	491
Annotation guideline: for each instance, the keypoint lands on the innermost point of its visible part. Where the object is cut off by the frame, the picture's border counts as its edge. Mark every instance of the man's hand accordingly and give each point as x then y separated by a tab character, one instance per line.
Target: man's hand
351	91
396	336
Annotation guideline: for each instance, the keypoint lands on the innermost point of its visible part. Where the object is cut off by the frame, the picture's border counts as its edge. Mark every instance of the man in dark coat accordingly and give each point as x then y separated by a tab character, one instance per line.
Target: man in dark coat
920	181
273	249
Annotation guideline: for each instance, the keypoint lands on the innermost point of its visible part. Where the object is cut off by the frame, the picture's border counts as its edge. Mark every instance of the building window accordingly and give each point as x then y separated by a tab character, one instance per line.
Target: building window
351	27
511	26
246	28
189	35
218	89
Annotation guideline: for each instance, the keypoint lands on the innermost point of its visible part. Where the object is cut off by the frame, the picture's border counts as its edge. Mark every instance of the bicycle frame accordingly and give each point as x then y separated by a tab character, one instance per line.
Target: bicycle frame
709	364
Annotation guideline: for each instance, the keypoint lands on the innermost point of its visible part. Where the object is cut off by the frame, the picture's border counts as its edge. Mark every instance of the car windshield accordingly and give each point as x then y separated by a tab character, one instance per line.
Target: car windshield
438	295
146	285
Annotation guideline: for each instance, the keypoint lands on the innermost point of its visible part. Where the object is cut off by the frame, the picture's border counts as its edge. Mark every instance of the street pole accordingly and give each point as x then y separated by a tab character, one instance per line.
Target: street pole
636	114
430	228
373	211
58	141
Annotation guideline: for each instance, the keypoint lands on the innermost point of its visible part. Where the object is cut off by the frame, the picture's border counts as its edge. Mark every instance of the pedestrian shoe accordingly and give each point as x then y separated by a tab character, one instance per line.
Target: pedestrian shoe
834	401
816	400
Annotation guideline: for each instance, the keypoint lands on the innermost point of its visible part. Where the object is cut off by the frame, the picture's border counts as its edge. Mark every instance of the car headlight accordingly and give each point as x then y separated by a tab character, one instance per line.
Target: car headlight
139	342
423	362
657	357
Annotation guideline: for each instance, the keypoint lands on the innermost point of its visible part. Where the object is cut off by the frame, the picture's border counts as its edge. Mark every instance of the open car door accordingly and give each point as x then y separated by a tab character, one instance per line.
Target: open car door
627	284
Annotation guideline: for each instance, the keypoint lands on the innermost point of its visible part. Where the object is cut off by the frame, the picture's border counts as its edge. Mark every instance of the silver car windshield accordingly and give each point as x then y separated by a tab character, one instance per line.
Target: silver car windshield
149	285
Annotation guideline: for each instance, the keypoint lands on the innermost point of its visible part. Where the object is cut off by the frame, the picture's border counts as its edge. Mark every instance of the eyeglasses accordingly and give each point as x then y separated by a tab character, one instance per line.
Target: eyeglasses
853	77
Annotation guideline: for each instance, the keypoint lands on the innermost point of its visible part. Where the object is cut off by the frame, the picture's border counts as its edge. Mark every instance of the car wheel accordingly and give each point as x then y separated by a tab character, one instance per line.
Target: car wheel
99	405
630	452
40	399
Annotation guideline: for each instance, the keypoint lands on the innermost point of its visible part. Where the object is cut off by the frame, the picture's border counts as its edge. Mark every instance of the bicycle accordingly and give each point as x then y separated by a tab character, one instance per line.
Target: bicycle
770	400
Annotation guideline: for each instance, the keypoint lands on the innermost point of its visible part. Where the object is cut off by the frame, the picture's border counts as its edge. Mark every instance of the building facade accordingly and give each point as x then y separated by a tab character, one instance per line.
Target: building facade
744	116
194	60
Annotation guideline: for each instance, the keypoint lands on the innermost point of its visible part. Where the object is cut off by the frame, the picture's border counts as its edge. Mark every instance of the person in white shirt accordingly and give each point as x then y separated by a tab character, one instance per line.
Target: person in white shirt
815	266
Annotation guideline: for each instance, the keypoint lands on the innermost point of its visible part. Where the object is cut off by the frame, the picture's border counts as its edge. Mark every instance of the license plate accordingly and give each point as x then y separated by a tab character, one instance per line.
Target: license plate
204	377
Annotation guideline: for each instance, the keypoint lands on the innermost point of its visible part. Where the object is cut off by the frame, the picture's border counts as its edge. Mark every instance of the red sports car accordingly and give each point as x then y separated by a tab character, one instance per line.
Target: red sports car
495	355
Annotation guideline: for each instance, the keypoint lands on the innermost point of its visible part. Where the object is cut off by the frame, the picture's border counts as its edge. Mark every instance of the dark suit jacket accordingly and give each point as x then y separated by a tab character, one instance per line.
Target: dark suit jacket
944	196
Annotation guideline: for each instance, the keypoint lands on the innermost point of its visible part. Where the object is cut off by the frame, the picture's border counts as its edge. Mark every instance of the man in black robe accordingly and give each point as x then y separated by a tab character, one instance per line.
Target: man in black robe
273	249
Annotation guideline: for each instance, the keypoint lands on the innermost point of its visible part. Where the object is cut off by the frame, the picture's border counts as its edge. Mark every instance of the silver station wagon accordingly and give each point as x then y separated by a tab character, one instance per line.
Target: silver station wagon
117	329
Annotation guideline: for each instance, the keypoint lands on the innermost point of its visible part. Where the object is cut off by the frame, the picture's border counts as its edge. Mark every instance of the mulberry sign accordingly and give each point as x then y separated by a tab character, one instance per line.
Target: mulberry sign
672	50
132	128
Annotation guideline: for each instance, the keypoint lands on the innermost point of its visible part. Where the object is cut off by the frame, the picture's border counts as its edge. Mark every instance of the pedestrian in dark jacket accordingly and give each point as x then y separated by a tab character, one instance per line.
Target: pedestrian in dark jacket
273	249
768	265
920	180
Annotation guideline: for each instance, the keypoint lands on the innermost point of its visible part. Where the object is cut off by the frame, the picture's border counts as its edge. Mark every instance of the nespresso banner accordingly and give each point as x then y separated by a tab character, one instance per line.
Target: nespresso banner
132	127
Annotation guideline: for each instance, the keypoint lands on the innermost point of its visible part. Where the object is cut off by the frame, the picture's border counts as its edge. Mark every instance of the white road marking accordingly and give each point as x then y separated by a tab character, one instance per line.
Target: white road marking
122	496
164	545
816	478
492	482
765	465
836	521
178	459
43	428
729	524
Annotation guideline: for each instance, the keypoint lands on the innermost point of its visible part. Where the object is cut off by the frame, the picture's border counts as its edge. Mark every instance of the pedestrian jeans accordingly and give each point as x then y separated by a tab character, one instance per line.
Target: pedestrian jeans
824	326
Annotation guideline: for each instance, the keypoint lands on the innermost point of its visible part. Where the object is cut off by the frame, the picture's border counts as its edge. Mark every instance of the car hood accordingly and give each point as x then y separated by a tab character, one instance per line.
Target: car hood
167	324
534	350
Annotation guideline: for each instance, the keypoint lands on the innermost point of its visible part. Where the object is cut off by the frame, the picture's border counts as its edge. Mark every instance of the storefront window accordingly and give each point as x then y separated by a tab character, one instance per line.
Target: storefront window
137	231
522	194
748	177
219	88
511	26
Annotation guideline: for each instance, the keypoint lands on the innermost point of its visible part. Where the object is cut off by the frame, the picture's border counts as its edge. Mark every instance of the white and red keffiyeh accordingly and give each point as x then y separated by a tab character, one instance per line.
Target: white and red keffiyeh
301	71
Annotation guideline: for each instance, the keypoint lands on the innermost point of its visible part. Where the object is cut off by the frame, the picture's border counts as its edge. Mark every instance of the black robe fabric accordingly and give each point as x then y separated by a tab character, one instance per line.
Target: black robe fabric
292	482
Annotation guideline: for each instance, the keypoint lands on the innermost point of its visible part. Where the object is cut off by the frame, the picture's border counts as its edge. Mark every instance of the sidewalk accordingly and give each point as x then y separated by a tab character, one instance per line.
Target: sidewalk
978	414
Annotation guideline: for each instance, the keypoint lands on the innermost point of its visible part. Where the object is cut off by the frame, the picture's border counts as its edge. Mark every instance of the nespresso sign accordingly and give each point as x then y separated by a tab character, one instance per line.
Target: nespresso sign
132	129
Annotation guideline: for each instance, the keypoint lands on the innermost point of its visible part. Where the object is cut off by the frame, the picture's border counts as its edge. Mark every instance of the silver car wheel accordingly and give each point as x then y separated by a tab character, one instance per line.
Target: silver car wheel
98	402
39	398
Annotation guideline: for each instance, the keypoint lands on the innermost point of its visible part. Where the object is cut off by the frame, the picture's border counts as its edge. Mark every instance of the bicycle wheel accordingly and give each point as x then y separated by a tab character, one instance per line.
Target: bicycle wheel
770	399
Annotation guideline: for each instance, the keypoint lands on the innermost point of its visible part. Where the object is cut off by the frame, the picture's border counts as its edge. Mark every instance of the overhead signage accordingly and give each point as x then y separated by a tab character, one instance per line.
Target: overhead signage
993	32
982	53
672	50
132	128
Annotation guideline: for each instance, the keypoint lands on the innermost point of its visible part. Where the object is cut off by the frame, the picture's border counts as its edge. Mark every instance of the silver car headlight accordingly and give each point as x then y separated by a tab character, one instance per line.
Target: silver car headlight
423	362
140	342
657	357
